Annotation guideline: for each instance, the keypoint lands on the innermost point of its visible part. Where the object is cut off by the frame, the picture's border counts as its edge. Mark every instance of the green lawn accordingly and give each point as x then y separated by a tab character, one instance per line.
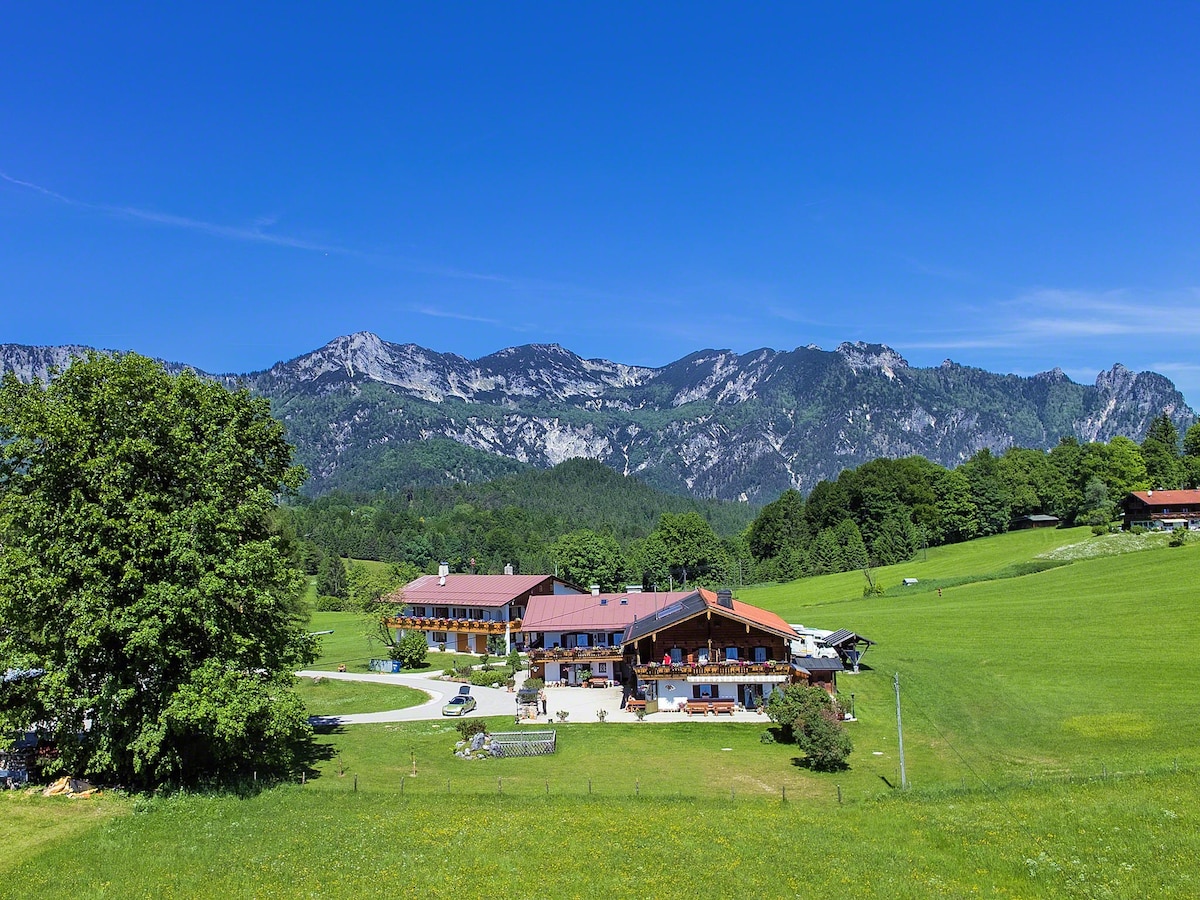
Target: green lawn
330	697
350	646
1118	838
980	559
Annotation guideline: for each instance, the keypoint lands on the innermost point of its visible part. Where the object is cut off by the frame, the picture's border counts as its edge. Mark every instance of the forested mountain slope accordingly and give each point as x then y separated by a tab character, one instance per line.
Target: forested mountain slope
361	412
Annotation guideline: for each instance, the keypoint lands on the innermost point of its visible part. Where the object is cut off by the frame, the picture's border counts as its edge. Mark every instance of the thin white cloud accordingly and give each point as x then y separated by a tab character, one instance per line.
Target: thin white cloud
451	314
253	234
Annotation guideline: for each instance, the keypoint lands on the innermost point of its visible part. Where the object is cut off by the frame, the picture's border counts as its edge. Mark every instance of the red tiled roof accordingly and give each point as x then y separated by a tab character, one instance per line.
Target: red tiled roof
752	614
586	612
1168	498
469	590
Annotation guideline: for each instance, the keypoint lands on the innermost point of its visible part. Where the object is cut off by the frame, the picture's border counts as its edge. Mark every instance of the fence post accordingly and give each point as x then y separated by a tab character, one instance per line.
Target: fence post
355	782
785	793
637	787
499	785
839	787
589	787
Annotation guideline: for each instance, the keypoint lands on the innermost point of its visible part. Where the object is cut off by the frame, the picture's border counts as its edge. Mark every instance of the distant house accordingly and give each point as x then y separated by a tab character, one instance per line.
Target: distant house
572	635
1159	510
1037	520
709	649
463	611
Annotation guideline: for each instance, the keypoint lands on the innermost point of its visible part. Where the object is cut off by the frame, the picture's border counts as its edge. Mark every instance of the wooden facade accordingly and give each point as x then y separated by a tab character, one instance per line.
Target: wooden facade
709	638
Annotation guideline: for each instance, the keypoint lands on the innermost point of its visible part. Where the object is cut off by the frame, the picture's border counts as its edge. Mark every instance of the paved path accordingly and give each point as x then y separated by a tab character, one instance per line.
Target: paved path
580	703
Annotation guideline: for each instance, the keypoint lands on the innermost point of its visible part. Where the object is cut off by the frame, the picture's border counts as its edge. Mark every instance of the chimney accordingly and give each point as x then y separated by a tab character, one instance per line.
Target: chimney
508	569
443	571
725	598
595	590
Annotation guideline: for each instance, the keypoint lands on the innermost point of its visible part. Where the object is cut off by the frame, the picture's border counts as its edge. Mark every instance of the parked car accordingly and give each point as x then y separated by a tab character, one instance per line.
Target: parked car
459	705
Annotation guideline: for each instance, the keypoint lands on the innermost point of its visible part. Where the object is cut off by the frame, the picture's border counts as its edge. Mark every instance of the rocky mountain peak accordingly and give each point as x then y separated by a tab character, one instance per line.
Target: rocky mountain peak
861	356
717	424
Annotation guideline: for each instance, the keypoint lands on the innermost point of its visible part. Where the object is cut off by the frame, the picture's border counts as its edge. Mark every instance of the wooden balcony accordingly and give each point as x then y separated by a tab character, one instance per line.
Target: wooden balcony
683	671
576	655
453	626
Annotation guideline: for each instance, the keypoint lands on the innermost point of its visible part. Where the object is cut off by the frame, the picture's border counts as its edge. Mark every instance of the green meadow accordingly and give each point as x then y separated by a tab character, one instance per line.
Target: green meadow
350	645
1049	711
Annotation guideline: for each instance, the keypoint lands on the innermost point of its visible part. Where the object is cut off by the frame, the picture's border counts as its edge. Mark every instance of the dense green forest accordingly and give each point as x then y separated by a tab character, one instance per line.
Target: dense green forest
884	511
517	520
594	526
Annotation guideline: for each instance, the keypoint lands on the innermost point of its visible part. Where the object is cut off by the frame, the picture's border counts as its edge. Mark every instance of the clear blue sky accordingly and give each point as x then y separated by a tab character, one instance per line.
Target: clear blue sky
1013	186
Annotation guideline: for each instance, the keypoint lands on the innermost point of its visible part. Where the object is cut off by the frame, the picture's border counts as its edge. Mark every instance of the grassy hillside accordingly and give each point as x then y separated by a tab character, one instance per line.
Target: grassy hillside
1049	723
1086	666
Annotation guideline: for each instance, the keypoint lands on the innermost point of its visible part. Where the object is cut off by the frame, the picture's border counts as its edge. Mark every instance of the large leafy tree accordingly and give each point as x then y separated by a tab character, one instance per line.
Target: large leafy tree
586	558
684	549
141	571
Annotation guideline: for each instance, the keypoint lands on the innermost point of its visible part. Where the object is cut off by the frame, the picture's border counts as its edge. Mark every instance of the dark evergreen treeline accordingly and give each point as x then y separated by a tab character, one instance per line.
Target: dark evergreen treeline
594	526
882	512
512	520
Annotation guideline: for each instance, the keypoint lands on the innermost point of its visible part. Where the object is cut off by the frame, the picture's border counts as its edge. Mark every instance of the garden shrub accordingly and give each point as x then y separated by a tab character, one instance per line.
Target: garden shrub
533	684
488	679
468	728
326	603
810	718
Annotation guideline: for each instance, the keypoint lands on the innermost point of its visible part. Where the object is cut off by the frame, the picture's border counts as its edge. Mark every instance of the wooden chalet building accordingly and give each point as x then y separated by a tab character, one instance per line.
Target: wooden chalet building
1162	510
463	611
709	651
576	639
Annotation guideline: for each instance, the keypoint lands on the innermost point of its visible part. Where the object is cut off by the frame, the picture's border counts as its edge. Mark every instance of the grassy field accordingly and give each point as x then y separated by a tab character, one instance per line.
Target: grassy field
350	646
338	698
1118	838
1049	723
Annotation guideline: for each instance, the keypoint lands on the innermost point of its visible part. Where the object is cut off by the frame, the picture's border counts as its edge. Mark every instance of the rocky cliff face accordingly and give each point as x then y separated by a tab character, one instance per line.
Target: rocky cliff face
715	423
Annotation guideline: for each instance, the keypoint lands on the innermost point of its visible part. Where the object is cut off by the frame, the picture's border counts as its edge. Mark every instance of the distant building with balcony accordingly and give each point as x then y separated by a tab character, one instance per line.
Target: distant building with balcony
709	648
1162	510
576	638
463	611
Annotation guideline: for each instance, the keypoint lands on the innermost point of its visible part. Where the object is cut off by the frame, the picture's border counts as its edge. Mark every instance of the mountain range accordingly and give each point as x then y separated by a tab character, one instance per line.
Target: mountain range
367	414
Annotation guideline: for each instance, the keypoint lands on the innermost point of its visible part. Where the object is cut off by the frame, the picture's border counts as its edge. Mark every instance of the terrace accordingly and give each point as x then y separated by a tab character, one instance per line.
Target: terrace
576	655
460	626
733	669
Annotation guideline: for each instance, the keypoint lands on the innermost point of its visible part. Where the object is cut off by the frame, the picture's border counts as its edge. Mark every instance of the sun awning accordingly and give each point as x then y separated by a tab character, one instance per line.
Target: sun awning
736	679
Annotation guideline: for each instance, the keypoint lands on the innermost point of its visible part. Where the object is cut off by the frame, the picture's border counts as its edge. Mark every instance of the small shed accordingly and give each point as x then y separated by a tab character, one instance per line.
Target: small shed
1037	520
848	644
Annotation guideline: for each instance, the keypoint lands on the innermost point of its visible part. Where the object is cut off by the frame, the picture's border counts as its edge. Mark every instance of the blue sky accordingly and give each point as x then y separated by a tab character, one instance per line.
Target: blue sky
1013	187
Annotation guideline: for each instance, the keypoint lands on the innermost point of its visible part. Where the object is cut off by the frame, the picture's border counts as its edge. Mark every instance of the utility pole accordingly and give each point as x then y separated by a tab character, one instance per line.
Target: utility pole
900	734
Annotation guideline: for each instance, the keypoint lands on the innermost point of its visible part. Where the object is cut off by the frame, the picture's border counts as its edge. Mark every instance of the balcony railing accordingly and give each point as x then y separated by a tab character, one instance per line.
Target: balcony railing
439	623
575	654
680	671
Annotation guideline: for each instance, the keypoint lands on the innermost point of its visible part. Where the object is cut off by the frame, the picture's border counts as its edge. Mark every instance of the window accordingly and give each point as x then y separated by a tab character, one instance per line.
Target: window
439	636
676	655
704	691
602	668
760	654
731	653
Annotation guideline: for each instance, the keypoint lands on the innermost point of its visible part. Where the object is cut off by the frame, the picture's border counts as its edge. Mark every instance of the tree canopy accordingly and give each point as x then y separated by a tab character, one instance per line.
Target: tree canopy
142	571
